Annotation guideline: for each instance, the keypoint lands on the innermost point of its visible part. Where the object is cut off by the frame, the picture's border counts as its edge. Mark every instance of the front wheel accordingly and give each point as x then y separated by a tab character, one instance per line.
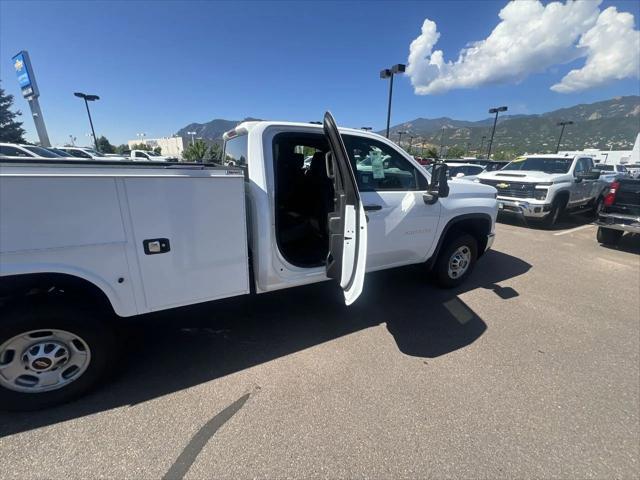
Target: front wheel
557	208
455	263
597	208
51	354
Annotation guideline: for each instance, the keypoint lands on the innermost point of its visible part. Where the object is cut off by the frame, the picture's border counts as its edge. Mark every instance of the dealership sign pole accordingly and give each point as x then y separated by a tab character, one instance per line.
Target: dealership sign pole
27	82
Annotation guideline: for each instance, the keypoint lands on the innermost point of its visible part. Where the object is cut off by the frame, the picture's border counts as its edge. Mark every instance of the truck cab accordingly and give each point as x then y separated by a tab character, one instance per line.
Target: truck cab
290	246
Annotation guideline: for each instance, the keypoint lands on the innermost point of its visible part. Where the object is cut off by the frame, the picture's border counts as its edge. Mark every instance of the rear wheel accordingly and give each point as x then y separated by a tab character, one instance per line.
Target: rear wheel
455	263
50	354
608	236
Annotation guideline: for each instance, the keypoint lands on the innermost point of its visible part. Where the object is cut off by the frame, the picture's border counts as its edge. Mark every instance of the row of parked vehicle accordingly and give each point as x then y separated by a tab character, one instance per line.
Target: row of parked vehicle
541	188
16	151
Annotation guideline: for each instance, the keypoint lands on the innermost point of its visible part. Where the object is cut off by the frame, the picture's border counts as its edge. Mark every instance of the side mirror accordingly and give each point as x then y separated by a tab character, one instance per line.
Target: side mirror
438	188
591	175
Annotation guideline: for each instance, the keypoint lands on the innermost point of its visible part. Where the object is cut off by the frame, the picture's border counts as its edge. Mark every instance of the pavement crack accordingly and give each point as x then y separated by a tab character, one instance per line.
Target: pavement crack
188	456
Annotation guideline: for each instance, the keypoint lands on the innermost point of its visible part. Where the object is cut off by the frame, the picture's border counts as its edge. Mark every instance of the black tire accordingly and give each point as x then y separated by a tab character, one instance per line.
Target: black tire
608	236
86	323
597	206
557	209
441	267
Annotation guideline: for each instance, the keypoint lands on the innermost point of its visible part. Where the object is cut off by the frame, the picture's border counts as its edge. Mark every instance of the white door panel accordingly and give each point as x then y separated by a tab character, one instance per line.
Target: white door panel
402	231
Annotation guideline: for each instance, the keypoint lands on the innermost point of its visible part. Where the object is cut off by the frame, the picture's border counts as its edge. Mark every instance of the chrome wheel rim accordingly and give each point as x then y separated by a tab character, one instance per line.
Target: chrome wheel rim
459	262
42	360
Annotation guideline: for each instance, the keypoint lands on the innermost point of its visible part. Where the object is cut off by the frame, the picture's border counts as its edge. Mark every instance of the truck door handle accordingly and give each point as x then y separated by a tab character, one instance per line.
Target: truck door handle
372	207
154	246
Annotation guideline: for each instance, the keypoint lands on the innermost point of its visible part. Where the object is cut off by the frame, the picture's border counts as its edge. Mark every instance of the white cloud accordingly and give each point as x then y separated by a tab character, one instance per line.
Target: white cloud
530	38
613	52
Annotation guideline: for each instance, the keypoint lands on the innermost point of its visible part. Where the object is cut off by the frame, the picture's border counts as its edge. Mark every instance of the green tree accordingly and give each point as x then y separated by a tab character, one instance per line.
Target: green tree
215	153
10	129
196	152
120	149
105	146
140	146
455	152
158	150
504	155
432	153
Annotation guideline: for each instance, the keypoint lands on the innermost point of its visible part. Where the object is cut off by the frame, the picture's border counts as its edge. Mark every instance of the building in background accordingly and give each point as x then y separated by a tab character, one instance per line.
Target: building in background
612	157
169	146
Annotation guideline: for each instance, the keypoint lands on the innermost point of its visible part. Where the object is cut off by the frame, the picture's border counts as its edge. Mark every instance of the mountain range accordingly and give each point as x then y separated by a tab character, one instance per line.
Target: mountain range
613	123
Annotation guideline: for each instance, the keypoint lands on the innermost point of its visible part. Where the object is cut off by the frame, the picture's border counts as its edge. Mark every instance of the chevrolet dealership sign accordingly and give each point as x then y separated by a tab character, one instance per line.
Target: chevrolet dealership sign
24	72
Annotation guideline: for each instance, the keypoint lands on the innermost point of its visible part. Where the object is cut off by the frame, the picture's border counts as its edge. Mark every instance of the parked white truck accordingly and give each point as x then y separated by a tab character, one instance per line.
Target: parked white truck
79	244
543	187
148	155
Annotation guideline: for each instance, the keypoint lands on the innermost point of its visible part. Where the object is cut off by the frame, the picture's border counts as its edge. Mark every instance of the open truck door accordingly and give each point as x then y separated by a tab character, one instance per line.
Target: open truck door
347	222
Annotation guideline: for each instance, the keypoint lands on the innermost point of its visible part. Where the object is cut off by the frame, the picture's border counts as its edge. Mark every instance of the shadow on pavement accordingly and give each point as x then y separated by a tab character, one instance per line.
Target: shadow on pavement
173	350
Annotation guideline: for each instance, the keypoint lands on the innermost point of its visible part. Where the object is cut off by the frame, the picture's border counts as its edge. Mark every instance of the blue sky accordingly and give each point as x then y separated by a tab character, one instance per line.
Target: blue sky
158	66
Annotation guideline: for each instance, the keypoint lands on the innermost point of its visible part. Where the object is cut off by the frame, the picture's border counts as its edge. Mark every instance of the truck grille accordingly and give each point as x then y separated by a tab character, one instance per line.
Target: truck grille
507	188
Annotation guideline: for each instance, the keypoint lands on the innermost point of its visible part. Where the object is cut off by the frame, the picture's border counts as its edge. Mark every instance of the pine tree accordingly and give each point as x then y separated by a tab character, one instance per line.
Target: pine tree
10	129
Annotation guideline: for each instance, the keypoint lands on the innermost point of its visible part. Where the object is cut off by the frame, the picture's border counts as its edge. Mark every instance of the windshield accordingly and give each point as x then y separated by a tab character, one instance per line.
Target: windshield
464	170
92	152
152	154
541	164
41	152
57	151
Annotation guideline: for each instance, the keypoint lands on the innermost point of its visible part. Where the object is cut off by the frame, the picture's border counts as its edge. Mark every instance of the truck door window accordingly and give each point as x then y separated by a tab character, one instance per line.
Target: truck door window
141	155
380	167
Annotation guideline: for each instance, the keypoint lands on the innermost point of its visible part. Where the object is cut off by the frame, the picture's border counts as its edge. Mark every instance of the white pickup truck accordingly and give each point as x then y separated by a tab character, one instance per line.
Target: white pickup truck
543	187
80	243
148	155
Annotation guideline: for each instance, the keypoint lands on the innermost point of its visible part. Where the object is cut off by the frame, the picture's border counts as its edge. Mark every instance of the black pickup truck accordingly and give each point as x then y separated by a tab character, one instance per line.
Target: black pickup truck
620	212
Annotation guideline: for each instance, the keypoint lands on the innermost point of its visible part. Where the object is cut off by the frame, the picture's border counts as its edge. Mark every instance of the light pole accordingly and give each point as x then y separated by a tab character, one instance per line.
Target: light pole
192	134
73	140
87	99
411	137
441	142
141	137
562	124
482	145
400	138
389	73
495	110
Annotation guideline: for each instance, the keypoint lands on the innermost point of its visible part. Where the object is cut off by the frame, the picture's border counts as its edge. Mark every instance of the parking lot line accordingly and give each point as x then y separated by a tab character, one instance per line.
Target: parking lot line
571	230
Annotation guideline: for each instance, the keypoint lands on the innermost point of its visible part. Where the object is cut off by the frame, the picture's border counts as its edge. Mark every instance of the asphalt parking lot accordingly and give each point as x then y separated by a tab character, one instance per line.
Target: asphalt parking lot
532	369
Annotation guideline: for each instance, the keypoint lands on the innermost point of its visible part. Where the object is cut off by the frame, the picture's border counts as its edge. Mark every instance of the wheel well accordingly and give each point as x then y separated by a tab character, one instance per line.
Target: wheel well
478	226
45	286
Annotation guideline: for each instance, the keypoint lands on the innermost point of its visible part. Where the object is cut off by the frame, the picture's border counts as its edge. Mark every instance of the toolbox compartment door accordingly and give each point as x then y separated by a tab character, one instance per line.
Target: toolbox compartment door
190	238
